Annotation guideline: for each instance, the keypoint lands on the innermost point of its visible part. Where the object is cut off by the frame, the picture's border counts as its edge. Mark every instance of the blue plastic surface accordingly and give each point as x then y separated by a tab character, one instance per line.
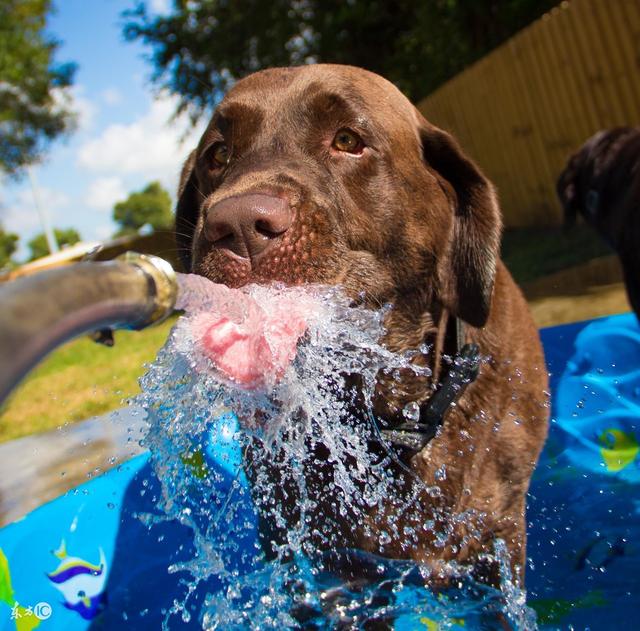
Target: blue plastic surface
98	523
584	499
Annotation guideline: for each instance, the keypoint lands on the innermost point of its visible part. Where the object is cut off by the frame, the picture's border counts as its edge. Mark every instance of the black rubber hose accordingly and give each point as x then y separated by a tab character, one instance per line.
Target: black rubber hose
40	312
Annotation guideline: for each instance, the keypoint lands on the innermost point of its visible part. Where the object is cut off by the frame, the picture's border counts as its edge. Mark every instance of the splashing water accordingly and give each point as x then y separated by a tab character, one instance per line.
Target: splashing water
305	461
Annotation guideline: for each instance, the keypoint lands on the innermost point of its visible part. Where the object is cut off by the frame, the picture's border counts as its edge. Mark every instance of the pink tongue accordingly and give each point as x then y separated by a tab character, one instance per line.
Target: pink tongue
255	349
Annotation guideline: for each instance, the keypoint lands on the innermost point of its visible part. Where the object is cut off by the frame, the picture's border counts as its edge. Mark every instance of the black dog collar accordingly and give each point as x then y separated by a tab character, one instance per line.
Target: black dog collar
463	370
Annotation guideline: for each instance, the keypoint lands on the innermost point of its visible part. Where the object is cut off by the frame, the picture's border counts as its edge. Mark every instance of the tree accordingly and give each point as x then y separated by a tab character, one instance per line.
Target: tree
150	206
39	246
8	245
204	45
33	108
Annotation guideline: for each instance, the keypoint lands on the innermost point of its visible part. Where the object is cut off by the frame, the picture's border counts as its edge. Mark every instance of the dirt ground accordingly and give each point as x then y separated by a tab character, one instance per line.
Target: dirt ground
591	290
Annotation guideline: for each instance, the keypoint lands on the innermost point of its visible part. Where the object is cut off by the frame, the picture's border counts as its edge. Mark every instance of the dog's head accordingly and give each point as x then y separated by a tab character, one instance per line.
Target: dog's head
586	178
327	174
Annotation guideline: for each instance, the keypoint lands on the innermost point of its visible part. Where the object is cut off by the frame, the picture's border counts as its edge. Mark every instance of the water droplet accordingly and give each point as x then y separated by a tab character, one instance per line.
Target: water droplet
411	412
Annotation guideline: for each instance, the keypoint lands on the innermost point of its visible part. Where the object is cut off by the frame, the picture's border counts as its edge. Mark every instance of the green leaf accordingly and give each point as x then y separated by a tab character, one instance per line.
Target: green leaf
30	114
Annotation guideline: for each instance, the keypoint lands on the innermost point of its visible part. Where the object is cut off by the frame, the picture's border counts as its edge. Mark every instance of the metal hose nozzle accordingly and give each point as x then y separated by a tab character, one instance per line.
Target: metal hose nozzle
40	312
165	285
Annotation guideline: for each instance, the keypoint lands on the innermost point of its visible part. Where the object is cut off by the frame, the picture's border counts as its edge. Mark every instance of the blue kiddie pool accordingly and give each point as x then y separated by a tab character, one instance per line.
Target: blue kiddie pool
102	557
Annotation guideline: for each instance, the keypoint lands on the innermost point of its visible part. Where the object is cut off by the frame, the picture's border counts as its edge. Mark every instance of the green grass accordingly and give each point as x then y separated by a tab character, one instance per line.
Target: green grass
79	380
530	253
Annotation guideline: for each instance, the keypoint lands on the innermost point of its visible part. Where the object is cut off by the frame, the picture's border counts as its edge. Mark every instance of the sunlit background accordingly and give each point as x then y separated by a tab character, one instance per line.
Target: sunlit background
125	136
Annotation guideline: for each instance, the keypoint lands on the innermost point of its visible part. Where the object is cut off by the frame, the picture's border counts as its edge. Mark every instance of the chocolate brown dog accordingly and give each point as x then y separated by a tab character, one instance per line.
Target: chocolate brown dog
327	174
601	182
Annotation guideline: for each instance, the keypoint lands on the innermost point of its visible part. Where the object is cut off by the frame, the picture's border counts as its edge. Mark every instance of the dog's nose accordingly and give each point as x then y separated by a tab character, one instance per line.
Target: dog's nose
248	224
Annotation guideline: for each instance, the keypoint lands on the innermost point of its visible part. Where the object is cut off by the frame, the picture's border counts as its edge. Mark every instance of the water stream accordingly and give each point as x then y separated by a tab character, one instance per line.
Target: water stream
303	430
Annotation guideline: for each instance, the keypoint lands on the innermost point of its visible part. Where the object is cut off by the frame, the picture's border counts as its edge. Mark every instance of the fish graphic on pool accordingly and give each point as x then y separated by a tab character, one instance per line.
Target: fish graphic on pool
80	582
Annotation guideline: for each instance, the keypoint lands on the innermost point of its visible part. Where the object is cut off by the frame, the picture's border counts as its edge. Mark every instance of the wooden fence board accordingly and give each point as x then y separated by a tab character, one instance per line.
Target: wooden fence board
524	108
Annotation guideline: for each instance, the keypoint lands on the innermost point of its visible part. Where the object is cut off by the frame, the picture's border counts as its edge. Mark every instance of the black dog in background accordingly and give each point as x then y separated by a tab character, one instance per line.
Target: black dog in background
602	182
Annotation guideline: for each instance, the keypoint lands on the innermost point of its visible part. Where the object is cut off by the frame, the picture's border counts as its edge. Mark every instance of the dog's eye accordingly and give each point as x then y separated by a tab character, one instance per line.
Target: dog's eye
218	156
348	141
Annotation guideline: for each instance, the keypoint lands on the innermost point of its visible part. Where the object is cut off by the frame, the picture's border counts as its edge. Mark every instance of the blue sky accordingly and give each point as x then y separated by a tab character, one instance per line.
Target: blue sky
125	137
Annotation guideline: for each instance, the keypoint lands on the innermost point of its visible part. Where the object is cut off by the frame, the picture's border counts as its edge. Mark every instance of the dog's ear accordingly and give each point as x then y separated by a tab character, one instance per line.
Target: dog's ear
467	269
566	189
187	210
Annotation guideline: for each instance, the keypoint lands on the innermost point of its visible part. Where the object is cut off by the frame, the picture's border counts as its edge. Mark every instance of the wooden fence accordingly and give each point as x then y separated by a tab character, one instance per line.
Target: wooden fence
524	108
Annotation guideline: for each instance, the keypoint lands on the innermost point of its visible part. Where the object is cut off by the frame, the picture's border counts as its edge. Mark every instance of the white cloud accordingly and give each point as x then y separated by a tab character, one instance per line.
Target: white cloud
112	96
74	99
86	110
20	213
104	192
153	146
160	6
